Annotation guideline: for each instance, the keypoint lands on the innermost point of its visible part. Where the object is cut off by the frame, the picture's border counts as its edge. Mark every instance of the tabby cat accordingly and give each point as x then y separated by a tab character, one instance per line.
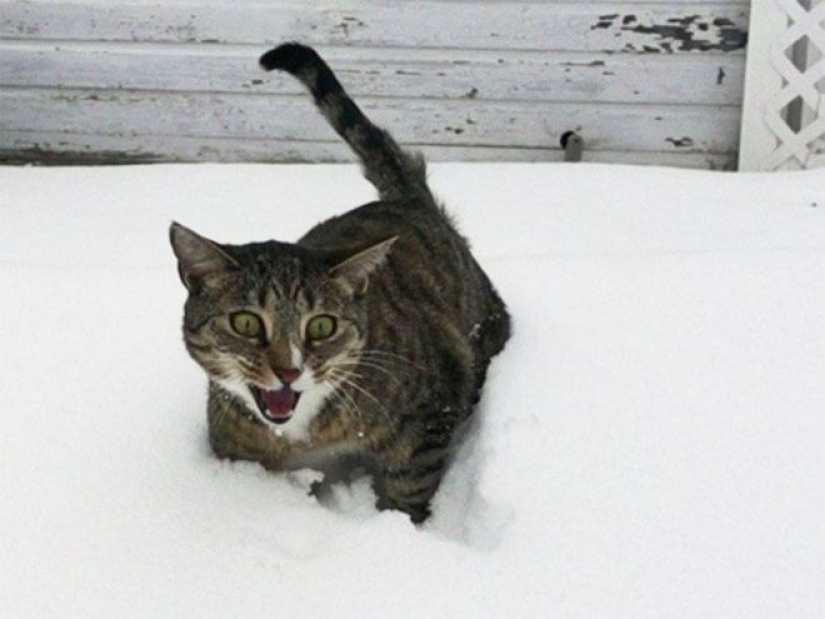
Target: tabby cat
370	336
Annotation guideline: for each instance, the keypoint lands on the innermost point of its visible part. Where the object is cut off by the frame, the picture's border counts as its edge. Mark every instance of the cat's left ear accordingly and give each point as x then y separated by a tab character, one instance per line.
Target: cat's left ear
356	270
198	257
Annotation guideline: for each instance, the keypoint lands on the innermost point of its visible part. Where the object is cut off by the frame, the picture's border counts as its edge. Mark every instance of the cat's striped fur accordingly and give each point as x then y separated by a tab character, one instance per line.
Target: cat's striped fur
416	322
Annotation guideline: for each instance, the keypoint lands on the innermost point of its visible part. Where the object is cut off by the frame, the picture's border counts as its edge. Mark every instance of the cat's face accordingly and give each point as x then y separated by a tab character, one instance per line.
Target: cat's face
278	326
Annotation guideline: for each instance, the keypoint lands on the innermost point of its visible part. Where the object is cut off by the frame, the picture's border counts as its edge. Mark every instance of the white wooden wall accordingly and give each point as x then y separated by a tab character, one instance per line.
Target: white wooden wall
129	81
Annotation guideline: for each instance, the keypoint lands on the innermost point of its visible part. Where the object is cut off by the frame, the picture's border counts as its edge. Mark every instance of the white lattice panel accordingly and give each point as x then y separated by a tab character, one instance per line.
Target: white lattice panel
783	123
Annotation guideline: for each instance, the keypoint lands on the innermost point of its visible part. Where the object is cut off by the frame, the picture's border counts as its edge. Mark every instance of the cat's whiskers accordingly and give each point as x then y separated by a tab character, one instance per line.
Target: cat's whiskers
349	404
334	375
217	422
382	355
355	361
229	371
344	379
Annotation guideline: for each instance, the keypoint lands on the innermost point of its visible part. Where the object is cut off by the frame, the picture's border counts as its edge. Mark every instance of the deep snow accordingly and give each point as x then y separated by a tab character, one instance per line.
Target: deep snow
650	443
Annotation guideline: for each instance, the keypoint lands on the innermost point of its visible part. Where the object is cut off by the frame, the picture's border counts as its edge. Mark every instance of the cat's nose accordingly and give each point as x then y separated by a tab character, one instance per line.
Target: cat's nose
288	375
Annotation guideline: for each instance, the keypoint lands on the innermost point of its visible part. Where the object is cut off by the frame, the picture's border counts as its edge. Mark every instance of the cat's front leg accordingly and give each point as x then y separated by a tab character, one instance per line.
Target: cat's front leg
408	493
410	487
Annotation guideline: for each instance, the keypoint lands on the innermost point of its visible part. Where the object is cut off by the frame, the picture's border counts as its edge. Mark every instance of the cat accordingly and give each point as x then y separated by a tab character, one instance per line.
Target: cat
369	337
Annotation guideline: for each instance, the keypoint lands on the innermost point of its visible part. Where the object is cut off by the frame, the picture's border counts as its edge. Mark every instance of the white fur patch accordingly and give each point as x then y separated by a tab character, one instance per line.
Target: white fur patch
297	357
239	388
313	396
311	402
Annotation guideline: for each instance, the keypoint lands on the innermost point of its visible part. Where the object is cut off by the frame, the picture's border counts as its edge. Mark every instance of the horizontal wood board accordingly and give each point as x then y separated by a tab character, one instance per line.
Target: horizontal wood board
657	83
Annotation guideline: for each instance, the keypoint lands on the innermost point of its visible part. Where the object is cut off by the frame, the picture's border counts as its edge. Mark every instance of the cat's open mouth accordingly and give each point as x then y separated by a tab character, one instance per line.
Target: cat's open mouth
277	406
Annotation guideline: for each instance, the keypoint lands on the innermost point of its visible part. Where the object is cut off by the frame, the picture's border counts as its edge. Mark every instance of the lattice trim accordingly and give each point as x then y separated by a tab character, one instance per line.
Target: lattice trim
794	149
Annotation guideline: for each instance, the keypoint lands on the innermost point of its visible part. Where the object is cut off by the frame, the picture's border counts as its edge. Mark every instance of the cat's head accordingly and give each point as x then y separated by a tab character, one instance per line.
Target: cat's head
277	325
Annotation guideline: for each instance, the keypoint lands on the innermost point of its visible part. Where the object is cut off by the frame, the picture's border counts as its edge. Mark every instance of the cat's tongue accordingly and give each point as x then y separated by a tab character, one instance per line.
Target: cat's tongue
280	404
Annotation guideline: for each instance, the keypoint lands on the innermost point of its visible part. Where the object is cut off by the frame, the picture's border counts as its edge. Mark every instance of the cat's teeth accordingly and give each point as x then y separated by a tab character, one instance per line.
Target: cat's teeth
280	404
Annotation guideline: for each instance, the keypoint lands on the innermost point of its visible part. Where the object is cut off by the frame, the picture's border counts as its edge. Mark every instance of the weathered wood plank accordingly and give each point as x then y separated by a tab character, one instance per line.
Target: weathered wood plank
417	121
436	74
640	27
647	82
84	149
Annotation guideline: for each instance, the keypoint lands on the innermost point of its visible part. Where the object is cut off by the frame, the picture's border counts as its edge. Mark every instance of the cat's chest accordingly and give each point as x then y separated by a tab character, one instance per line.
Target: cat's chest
320	456
329	436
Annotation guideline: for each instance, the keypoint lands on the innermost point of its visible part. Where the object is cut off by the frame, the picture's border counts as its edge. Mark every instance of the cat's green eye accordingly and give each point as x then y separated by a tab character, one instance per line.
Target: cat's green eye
321	328
246	324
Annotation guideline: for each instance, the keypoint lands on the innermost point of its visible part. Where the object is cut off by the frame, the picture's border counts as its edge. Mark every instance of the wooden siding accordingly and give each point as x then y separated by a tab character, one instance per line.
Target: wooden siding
642	82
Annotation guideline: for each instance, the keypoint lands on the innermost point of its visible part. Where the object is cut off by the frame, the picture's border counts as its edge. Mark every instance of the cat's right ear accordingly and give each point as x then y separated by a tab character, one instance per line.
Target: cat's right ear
198	257
356	270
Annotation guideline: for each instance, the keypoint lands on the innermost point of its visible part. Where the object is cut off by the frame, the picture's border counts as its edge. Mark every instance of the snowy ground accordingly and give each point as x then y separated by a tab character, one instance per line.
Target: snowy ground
651	444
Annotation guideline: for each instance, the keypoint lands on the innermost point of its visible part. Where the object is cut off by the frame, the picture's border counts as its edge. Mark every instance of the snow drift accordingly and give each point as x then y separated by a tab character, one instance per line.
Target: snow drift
650	443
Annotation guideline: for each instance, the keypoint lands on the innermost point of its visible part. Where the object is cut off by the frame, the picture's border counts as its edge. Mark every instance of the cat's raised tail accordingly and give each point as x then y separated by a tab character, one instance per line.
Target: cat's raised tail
396	173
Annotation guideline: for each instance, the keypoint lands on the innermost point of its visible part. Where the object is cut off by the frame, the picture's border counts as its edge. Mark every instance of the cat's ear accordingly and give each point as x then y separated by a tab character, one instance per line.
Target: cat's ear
198	257
356	270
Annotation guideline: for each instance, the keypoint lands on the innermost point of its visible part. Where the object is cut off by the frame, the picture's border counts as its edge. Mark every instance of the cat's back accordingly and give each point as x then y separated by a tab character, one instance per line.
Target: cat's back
418	226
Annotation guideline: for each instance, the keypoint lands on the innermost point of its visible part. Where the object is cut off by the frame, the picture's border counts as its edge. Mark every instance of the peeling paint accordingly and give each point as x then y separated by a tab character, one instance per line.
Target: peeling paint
684	142
605	21
685	34
110	108
594	63
347	23
21	27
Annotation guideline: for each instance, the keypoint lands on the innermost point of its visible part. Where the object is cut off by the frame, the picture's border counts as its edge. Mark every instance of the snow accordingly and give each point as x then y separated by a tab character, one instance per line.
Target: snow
650	442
